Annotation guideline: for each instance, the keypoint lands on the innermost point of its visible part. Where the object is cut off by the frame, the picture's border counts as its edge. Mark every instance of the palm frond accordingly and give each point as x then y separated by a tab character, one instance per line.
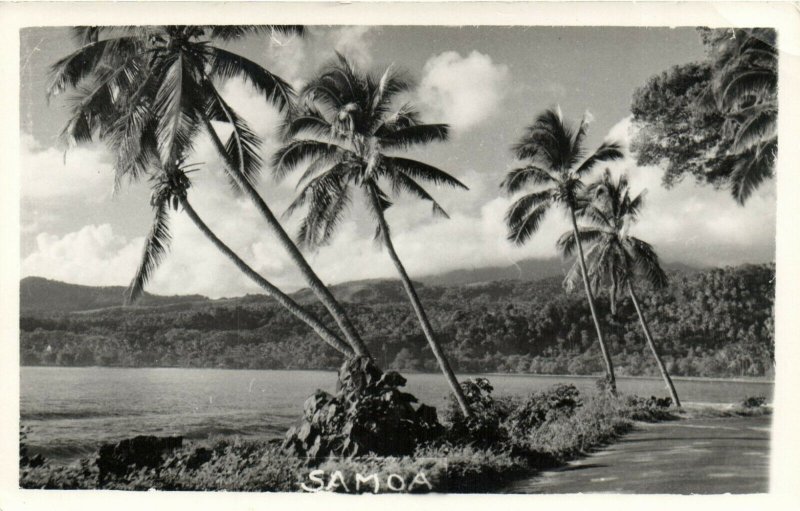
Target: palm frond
566	242
403	183
422	171
521	230
291	155
71	70
646	262
409	136
761	123
608	151
227	65
748	84
752	168
517	178
234	32
156	246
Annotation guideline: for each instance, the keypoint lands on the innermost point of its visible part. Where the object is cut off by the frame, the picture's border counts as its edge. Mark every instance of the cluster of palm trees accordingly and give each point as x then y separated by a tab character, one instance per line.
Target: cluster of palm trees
556	167
150	92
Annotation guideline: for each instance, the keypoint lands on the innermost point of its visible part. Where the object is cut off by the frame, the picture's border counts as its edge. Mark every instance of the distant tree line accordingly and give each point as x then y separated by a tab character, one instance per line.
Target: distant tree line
712	323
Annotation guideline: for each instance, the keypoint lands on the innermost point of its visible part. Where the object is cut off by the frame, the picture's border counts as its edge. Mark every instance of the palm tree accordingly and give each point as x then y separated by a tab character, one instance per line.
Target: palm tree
745	91
554	152
148	91
170	189
344	127
614	255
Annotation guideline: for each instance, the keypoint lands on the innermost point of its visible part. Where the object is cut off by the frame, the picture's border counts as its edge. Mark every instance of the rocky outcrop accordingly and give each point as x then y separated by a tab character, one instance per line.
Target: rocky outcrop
137	452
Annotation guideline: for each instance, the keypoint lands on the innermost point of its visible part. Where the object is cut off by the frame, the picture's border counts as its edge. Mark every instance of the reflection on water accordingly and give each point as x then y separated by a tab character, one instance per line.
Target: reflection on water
72	410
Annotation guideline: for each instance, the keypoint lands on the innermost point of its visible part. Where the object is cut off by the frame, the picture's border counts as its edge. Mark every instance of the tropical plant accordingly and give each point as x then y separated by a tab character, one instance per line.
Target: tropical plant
745	91
148	91
556	159
346	123
615	256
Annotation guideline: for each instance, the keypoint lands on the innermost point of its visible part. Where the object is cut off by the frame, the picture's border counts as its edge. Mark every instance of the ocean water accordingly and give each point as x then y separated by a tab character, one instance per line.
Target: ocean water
71	411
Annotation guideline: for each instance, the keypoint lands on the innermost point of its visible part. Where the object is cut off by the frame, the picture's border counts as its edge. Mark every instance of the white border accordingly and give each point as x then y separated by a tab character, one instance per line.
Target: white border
784	481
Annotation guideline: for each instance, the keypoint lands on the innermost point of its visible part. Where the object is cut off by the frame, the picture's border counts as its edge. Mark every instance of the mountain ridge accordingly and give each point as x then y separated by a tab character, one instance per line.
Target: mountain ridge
39	294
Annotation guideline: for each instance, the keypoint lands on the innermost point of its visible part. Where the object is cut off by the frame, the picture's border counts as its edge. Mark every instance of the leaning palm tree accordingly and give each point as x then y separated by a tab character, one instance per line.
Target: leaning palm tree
614	256
745	91
170	191
345	127
149	91
554	152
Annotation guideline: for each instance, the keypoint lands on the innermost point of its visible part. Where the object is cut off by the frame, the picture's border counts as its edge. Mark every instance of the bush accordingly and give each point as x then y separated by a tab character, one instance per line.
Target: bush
368	415
650	409
754	401
599	420
484	427
557	402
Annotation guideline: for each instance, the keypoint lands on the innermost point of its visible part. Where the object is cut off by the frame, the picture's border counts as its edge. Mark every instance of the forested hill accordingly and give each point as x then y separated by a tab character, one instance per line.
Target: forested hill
39	294
707	323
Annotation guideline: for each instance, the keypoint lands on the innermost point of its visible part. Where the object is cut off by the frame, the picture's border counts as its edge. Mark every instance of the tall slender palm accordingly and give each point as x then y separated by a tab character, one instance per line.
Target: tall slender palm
555	156
345	125
148	91
614	255
170	190
745	91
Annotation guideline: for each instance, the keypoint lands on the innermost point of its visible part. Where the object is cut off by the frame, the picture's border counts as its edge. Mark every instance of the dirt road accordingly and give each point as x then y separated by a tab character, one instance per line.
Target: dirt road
704	456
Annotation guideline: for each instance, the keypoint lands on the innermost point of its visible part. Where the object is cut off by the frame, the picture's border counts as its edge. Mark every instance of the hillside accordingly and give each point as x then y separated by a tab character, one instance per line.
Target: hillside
39	294
715	322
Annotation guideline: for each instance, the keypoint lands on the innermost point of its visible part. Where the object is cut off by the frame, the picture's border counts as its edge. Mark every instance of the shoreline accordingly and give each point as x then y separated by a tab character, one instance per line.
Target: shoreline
754	379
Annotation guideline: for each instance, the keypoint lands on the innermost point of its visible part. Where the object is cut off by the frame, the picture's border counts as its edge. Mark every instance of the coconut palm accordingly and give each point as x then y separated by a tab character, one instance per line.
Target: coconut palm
170	191
148	92
614	255
556	162
346	125
745	91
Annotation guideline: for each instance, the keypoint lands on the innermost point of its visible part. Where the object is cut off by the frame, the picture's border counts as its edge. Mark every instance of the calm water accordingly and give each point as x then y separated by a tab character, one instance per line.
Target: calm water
72	410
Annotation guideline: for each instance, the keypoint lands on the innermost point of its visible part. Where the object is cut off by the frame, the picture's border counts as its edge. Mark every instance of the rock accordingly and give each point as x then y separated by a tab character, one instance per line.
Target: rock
199	457
140	451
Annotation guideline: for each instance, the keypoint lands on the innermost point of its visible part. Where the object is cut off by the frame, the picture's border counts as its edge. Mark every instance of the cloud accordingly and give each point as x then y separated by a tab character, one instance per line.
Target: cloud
696	223
92	255
353	42
49	173
462	91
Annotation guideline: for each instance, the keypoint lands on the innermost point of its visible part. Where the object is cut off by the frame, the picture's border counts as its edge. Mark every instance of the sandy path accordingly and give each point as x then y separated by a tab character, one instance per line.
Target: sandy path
706	456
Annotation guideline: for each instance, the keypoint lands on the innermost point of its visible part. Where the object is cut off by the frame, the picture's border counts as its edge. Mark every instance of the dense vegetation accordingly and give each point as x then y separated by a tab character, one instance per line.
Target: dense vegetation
504	438
714	323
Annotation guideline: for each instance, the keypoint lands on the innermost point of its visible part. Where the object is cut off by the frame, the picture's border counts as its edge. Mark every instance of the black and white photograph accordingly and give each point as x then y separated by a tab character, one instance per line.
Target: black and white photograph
381	258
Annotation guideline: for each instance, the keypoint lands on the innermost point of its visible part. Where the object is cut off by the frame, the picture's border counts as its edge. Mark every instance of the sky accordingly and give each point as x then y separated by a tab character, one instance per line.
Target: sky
488	83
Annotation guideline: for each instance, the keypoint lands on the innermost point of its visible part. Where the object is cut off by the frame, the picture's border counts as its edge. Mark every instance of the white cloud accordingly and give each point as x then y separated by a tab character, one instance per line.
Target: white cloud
48	173
353	42
92	255
696	223
462	91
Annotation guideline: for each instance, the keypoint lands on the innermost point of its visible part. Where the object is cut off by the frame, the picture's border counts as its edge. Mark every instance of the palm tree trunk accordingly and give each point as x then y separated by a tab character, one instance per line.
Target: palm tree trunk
420	312
612	295
659	363
606	356
314	283
298	311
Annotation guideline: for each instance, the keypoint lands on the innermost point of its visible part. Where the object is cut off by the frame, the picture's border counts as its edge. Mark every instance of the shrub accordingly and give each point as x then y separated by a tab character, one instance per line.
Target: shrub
650	409
754	401
484	427
368	414
559	401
